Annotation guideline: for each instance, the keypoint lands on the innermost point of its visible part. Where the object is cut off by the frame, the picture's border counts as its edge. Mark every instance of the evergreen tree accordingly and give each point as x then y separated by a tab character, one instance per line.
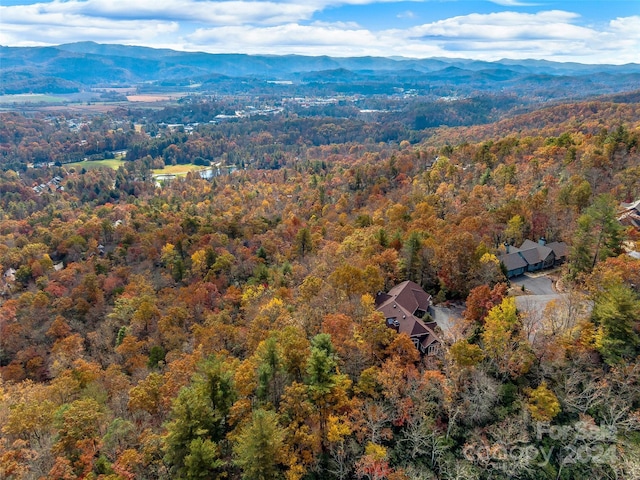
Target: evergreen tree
259	448
615	312
598	237
304	241
199	421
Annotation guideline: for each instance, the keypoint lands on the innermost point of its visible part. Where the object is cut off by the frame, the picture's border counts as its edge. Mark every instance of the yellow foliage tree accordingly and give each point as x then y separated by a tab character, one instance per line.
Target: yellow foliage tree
504	342
543	404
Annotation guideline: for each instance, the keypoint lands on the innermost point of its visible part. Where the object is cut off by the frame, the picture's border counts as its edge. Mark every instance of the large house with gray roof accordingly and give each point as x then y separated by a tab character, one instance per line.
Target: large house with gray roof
532	256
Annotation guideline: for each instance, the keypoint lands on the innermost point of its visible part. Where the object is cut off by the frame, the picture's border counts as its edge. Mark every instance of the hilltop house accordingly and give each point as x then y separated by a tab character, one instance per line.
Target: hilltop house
404	307
630	214
532	256
10	275
7	280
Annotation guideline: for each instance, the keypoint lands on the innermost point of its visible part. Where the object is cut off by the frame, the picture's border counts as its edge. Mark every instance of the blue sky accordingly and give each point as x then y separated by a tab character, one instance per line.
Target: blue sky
586	31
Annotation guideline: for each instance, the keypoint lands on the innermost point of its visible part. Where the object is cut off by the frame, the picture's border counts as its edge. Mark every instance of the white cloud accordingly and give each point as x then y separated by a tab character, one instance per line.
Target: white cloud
553	35
406	14
315	39
284	27
56	28
629	26
290	38
513	3
232	12
488	37
505	26
212	12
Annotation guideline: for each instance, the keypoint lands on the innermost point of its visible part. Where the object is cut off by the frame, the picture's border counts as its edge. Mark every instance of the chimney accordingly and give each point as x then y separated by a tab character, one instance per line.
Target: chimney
542	241
506	247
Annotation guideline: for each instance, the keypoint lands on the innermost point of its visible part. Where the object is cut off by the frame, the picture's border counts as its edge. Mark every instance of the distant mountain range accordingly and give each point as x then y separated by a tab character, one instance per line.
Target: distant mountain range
78	66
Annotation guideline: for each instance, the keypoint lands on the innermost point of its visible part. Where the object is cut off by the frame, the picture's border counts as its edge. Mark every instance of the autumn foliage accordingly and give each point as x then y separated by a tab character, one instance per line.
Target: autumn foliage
226	327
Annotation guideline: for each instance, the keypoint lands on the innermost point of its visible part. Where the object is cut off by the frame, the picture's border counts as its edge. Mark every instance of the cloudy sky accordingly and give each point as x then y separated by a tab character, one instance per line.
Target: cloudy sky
586	31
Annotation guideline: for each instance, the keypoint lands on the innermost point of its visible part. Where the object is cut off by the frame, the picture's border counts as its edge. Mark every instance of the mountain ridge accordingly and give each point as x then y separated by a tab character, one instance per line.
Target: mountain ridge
90	64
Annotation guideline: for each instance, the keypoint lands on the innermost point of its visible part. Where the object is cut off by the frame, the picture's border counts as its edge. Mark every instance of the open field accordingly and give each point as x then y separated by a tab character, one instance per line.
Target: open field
30	98
79	108
86	102
116	162
110	163
177	169
153	98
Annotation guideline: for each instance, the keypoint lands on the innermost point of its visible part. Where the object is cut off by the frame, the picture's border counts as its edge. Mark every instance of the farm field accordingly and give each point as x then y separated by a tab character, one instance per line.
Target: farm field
92	164
114	163
30	98
177	169
154	97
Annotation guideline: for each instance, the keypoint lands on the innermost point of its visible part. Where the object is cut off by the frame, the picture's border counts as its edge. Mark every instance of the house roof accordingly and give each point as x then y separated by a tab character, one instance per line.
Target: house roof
511	249
528	244
534	252
560	249
406	322
630	218
410	296
426	341
400	304
630	214
513	261
631	206
535	255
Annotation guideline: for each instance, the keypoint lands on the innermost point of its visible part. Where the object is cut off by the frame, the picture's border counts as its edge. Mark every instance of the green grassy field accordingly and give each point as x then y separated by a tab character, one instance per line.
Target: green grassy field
30	98
110	163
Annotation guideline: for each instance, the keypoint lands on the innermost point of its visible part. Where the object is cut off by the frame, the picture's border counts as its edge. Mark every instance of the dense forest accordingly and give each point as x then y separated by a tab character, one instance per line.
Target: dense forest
226	327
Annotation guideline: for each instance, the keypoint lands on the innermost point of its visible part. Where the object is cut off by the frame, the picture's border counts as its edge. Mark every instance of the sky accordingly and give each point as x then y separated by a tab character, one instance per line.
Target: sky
584	31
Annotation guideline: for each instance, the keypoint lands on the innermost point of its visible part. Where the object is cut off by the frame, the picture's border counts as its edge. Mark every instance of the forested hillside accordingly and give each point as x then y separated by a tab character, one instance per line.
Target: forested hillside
225	327
80	66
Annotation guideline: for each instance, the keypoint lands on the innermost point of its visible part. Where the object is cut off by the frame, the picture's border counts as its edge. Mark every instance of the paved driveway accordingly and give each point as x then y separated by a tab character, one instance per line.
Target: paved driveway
538	285
539	292
535	303
445	317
